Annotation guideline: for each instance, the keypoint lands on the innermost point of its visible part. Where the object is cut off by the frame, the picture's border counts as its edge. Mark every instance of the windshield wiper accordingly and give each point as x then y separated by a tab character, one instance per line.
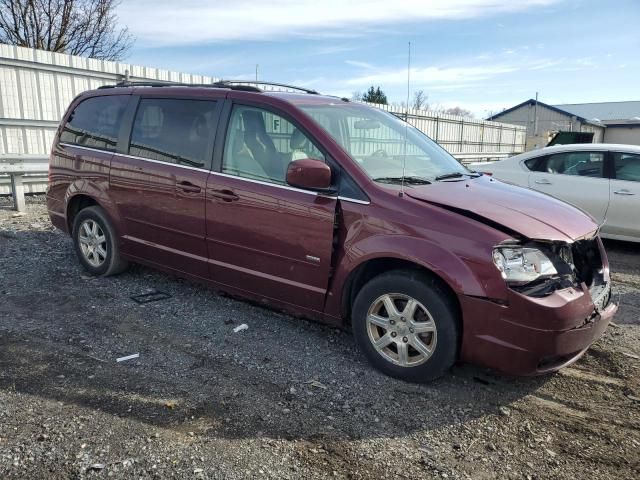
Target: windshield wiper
408	179
447	176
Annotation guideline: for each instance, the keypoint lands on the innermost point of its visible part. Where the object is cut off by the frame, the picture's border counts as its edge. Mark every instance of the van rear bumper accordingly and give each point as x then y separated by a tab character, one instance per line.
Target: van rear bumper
531	336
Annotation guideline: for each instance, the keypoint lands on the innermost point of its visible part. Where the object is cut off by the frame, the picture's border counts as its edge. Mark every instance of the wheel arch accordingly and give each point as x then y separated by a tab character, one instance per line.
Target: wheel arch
373	267
77	203
84	193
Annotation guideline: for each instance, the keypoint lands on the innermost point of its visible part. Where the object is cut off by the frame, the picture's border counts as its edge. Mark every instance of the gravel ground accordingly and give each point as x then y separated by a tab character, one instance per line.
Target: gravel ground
286	398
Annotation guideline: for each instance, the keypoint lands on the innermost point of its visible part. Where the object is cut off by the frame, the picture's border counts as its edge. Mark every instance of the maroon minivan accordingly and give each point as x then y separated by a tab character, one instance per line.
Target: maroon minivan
335	211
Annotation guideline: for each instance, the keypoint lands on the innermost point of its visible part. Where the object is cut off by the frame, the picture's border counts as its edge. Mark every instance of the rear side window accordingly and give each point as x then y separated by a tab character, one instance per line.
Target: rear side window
582	164
627	166
532	163
95	122
174	131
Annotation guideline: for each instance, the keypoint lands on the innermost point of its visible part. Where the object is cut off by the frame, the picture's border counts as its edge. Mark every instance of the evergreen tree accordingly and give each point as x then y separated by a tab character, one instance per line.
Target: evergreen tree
375	95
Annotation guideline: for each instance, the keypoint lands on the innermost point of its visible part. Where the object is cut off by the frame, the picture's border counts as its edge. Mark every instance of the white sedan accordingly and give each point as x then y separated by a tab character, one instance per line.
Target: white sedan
601	179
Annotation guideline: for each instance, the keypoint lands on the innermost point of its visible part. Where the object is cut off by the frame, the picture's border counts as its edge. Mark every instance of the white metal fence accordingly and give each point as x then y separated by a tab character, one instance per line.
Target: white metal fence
462	135
37	86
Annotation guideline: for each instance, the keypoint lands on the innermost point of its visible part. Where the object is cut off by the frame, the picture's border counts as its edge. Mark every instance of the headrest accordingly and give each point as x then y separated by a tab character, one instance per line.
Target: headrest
200	127
298	140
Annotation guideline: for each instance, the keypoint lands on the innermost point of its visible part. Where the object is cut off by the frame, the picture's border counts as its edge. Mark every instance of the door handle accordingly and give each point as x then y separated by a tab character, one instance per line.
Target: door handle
224	195
189	187
623	192
543	181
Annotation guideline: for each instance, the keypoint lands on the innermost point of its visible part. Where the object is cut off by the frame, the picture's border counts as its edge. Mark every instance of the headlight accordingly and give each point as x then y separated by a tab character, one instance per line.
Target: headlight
521	265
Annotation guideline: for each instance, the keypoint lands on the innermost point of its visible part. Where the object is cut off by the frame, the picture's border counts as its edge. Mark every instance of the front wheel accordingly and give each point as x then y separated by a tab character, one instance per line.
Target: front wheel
406	324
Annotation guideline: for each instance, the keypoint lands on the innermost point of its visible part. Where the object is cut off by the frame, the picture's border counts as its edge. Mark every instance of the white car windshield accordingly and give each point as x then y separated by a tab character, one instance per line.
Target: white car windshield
379	143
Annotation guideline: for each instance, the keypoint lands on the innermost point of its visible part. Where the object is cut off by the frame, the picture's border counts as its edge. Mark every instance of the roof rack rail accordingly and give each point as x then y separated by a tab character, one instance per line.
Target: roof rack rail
272	84
157	83
245	85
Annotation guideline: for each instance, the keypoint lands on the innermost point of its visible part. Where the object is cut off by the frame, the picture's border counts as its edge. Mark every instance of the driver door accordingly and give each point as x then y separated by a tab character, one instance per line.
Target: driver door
263	236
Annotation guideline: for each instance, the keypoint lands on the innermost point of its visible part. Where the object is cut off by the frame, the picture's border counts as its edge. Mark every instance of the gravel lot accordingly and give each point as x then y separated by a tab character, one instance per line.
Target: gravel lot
286	398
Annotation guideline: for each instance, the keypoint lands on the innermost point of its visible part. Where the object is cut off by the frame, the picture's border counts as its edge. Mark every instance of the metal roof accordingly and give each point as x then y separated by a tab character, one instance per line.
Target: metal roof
595	113
603	110
555	108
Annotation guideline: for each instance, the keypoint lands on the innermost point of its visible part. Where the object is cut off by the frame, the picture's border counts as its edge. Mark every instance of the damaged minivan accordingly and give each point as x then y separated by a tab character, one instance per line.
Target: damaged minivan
334	211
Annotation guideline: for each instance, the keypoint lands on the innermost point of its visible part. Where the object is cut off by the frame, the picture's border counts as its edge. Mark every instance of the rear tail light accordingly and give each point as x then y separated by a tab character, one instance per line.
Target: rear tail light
486	173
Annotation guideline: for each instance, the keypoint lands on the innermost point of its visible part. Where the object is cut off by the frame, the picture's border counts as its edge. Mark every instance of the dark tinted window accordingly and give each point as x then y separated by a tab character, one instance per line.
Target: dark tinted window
533	162
583	164
95	122
627	166
173	131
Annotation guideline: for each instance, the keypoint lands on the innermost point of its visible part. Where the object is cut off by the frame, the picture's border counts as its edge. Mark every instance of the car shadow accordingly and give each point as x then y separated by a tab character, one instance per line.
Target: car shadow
61	332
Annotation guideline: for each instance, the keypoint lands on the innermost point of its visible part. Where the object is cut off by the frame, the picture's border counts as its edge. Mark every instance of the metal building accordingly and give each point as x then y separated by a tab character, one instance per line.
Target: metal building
610	122
542	121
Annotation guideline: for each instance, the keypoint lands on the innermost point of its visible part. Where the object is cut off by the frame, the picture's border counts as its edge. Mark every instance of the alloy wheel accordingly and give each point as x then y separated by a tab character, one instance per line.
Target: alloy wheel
93	243
401	329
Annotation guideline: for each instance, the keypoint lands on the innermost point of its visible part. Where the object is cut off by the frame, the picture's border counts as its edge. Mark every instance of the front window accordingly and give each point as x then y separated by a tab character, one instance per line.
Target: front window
381	143
260	145
627	166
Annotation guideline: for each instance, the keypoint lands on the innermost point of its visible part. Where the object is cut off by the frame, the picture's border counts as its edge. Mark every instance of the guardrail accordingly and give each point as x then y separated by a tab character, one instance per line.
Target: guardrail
19	166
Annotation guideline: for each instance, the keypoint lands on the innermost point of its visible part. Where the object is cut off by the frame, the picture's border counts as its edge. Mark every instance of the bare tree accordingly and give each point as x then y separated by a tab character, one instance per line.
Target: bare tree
461	112
77	27
356	96
420	100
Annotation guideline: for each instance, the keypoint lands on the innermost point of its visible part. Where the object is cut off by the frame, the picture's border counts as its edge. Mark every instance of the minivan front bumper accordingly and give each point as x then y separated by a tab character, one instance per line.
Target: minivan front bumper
529	336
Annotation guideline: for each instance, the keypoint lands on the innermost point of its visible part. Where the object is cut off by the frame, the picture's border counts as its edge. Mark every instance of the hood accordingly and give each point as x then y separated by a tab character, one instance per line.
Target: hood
532	214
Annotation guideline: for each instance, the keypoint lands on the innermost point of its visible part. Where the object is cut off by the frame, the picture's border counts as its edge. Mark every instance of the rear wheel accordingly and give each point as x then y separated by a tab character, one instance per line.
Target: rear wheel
406	324
96	243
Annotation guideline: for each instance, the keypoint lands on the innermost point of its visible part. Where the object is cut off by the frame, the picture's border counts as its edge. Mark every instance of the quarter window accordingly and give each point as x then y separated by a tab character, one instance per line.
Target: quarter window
583	164
95	122
173	131
627	166
260	144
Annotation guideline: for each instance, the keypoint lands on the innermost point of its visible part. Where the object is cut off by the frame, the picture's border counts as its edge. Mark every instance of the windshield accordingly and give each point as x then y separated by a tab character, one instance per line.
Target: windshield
376	141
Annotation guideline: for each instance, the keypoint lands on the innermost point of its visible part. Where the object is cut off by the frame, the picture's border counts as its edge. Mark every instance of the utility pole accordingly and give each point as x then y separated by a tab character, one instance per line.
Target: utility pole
256	72
535	117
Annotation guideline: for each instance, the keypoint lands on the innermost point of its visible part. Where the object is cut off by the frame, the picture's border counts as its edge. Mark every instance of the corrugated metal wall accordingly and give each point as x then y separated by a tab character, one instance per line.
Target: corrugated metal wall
462	134
37	86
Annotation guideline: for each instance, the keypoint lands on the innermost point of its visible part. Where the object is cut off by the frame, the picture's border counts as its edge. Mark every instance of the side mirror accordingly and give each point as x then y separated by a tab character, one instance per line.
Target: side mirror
310	174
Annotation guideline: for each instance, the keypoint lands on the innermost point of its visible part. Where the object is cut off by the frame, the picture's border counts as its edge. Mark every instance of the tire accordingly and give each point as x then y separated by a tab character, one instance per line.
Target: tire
97	248
433	327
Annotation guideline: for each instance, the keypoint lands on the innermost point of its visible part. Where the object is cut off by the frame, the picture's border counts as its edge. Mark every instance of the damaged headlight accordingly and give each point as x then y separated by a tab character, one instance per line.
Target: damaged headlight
522	265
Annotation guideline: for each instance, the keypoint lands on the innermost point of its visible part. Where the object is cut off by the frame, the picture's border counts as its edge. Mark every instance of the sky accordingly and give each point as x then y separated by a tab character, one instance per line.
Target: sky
481	55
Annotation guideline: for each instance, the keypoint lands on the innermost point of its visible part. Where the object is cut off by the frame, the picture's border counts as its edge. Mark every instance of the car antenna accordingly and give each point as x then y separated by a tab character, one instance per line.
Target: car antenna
406	120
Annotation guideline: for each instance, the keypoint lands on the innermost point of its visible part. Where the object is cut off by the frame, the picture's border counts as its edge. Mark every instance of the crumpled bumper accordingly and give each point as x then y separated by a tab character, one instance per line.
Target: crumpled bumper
528	336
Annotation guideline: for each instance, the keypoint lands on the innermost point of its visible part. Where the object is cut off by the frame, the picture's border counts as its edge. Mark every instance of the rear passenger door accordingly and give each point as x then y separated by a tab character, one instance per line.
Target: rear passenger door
575	177
623	218
159	182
